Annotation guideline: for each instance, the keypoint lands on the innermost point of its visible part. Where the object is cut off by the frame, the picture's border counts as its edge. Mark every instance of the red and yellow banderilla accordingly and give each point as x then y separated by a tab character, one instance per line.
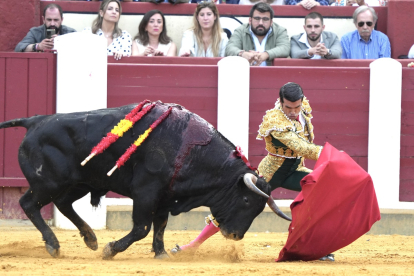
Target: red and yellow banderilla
121	161
118	131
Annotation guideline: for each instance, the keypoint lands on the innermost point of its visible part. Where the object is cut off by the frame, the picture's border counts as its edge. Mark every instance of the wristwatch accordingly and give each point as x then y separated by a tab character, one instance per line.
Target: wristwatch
34	48
329	53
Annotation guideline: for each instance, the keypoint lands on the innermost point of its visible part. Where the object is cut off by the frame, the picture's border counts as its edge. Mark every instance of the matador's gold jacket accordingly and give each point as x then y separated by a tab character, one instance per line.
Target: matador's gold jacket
286	139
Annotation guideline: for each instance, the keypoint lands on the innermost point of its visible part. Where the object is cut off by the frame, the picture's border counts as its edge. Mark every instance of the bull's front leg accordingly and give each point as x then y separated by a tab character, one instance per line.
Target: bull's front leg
142	215
160	222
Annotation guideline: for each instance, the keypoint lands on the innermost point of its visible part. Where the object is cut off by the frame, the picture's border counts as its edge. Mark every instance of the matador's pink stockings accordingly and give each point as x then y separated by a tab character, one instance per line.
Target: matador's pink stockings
207	232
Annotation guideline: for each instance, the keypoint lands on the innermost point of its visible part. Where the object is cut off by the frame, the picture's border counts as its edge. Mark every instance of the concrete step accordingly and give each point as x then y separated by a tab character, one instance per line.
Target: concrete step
392	221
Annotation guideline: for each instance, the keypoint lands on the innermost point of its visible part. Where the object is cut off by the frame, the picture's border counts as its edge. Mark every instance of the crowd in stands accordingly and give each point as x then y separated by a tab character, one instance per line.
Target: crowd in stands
260	41
307	4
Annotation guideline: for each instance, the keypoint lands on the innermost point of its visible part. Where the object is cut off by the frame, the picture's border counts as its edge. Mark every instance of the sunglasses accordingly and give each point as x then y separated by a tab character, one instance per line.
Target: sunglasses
361	24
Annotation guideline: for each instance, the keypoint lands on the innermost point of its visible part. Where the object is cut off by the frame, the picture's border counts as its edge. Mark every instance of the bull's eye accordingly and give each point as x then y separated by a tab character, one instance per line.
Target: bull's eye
245	199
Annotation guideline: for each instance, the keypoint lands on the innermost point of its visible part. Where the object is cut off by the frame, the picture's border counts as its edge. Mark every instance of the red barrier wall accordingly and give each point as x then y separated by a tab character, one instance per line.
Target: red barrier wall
407	136
28	88
339	98
399	26
16	20
338	94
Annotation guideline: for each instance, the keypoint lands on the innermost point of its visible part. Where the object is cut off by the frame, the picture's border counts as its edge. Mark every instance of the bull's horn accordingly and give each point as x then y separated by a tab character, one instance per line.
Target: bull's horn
276	210
250	180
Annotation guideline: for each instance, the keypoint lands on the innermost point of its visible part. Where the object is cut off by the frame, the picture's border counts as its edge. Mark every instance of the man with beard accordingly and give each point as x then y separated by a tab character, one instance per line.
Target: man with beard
36	39
315	43
260	41
365	42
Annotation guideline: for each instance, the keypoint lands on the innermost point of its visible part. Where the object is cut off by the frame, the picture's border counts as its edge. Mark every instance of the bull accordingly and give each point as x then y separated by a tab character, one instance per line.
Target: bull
185	163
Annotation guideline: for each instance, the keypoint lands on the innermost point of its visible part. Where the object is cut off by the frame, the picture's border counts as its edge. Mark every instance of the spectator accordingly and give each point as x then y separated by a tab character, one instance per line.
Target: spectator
270	2
315	43
206	38
365	42
308	4
261	40
106	24
152	38
37	39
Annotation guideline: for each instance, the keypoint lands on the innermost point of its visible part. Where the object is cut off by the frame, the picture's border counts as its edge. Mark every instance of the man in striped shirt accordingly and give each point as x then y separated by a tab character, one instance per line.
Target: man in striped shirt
365	42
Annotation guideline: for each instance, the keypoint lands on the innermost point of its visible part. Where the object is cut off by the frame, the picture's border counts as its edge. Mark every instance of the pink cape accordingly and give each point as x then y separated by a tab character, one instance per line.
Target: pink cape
336	206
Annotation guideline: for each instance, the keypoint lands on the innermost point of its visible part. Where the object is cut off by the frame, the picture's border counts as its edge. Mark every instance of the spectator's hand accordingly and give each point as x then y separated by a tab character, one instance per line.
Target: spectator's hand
351	2
149	51
308	4
321	49
158	53
117	55
249	56
186	53
259	58
312	51
46	44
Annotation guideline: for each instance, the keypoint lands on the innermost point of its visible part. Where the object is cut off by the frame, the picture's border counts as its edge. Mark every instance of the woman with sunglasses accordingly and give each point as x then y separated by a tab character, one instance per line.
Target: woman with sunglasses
106	25
152	38
206	38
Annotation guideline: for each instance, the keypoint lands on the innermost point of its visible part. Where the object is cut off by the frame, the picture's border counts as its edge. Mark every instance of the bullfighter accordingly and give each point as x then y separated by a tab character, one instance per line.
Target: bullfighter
288	134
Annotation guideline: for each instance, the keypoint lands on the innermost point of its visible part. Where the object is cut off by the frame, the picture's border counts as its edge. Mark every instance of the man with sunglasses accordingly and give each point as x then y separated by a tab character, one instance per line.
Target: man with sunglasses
315	43
365	42
261	40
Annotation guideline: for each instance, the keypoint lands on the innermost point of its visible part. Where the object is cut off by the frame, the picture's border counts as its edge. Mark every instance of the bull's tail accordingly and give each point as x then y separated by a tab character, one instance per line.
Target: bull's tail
22	122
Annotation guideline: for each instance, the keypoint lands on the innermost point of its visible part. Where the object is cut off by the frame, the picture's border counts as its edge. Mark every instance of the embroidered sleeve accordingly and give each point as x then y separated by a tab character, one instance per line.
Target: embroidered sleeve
299	145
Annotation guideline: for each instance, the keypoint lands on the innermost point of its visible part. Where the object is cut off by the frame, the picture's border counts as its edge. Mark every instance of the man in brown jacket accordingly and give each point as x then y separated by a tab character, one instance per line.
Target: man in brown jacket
261	40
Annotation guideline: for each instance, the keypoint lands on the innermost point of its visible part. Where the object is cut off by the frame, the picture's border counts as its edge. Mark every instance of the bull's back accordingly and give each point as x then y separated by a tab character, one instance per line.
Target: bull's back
60	142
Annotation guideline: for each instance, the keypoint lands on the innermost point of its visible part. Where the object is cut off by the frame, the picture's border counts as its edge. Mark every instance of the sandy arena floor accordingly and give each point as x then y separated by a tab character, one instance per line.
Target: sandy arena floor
22	252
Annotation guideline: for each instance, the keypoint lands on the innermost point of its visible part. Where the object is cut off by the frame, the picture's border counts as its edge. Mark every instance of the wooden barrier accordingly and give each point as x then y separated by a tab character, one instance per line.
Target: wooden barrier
407	136
28	88
338	94
339	97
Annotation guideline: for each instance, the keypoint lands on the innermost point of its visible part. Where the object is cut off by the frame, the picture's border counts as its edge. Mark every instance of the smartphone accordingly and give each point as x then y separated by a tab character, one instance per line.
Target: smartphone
50	33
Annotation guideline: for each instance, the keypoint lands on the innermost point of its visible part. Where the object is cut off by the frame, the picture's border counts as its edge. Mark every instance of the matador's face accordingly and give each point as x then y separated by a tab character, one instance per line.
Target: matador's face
291	109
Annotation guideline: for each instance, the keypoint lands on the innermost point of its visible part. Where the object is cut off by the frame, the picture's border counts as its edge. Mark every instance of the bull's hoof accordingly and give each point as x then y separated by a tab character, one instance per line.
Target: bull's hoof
108	253
162	256
176	249
91	244
90	240
54	252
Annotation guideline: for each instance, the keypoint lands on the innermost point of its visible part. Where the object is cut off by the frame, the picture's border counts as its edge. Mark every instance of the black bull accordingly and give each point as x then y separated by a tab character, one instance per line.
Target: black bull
183	164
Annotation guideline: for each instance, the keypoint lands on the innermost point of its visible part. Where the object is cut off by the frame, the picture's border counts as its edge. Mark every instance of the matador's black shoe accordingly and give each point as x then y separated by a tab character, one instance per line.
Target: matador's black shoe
329	257
176	249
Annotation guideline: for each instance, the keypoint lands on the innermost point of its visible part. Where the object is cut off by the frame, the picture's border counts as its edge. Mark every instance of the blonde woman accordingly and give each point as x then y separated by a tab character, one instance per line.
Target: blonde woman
152	38
206	38
106	24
